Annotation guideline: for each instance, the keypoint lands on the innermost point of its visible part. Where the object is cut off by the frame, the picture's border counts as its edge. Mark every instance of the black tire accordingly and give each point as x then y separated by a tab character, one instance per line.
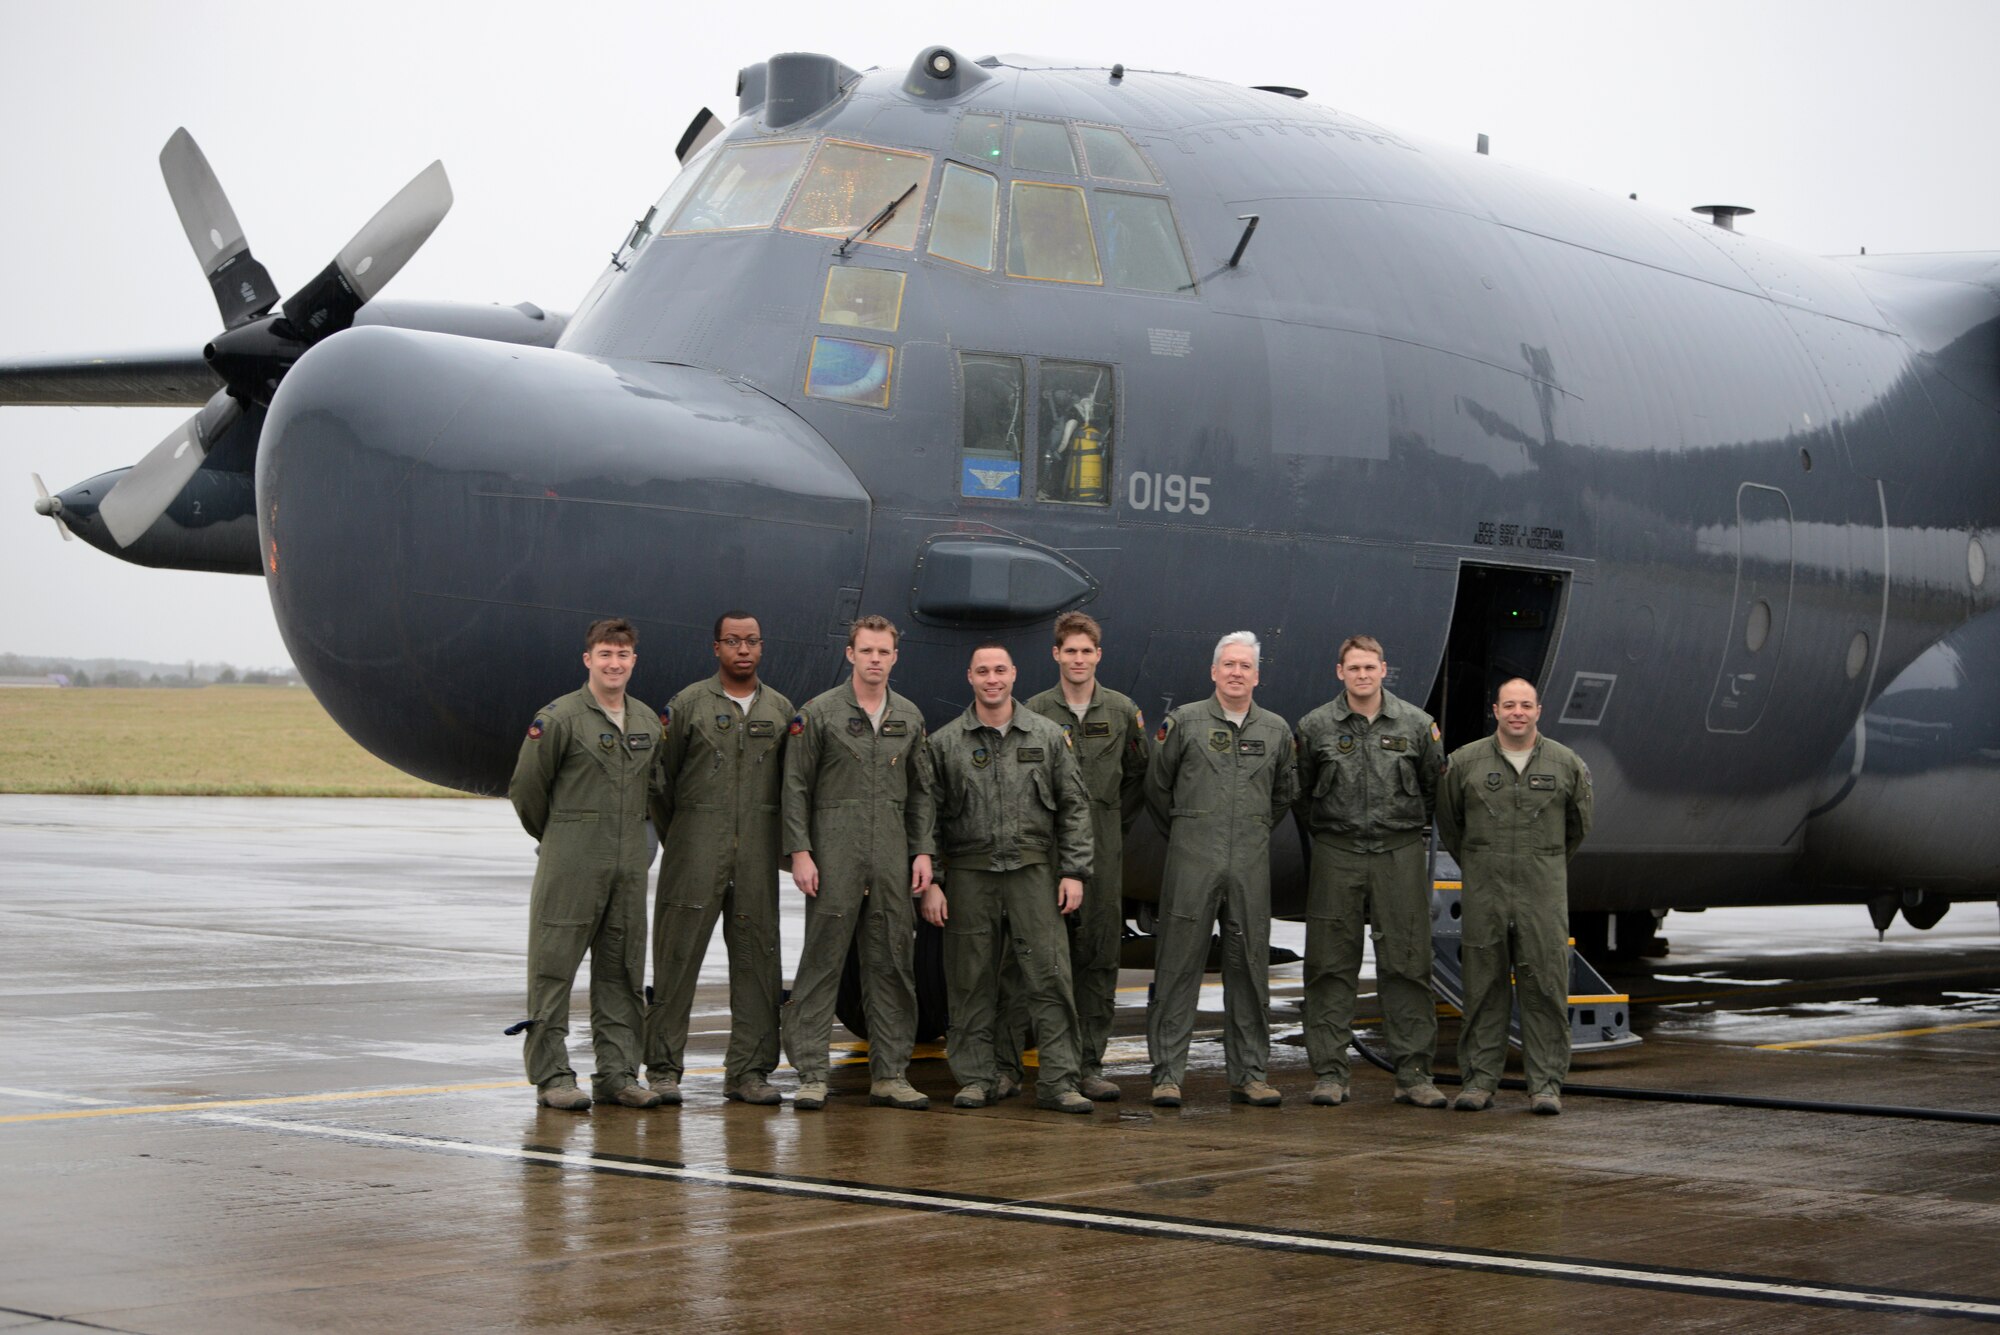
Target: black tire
933	1010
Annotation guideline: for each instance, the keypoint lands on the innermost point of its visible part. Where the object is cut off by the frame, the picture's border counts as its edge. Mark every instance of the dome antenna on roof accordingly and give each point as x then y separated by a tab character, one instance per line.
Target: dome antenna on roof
1724	215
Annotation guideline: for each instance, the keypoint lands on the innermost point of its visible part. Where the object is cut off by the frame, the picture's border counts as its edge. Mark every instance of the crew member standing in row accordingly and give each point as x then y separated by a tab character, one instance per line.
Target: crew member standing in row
1222	775
580	788
722	770
858	827
1368	776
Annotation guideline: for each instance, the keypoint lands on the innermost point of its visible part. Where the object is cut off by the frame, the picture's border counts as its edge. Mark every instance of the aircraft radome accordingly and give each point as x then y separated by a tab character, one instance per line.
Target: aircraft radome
969	342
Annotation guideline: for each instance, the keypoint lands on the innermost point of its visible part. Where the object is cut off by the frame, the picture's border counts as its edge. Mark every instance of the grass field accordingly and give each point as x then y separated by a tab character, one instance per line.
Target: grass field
213	741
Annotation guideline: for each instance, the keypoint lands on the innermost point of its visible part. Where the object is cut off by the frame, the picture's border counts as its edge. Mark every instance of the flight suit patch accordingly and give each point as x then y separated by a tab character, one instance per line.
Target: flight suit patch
1101	728
981	757
856	726
1344	745
722	723
1395	743
762	727
1250	747
1493	779
667	717
1030	755
639	741
607	740
798	725
896	727
535	730
1166	726
1218	740
1069	733
1139	719
1546	782
1436	736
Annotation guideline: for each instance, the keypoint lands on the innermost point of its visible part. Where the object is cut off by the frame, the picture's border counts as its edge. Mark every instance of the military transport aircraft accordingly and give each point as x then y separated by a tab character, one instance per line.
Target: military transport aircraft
976	341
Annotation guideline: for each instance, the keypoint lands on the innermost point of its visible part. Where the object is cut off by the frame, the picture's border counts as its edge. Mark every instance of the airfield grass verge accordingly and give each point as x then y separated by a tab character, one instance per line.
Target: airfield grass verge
211	741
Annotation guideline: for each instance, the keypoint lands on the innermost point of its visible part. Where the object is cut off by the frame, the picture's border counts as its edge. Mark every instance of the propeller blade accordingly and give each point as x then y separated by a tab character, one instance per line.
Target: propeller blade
46	504
243	288
364	265
700	131
144	494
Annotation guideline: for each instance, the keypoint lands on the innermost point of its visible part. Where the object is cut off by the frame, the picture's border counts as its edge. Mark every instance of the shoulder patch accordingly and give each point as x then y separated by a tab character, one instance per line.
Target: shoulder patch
1436	736
1139	719
1166	726
798	725
536	728
667	718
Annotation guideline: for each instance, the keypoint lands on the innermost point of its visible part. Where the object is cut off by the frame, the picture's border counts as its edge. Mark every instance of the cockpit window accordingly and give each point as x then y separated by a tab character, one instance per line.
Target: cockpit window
1043	146
1077	410
848	371
1048	234
864	298
745	188
979	138
968	207
1112	156
996	418
1142	247
850	184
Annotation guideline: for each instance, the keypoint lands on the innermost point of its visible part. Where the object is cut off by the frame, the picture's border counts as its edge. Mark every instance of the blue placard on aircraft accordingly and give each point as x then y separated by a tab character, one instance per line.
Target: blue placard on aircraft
999	478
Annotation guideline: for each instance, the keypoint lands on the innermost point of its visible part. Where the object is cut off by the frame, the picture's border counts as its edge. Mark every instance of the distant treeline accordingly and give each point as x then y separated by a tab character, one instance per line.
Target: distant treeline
137	672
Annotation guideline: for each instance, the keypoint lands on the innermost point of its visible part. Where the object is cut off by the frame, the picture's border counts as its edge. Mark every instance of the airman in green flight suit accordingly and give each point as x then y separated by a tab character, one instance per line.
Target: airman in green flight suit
1112	747
1223	774
1014	825
1368	776
722	779
580	788
858	827
1512	810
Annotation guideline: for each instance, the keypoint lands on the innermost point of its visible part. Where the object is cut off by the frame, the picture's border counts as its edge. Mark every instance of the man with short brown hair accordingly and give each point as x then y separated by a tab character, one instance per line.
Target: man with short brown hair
858	826
1368	774
580	788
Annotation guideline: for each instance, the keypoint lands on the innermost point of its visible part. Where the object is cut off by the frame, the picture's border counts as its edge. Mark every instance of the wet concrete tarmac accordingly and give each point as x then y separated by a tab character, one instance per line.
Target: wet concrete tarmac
257	1083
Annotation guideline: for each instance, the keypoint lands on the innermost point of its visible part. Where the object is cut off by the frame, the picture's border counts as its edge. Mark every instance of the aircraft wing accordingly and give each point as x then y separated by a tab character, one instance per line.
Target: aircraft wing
124	380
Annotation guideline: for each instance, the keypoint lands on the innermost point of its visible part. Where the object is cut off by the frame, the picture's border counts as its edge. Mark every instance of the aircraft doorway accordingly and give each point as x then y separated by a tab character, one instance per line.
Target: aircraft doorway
1503	624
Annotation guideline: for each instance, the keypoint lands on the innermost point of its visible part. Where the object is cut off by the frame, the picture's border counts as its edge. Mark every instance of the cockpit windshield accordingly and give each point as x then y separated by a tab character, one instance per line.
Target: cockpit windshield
745	188
850	184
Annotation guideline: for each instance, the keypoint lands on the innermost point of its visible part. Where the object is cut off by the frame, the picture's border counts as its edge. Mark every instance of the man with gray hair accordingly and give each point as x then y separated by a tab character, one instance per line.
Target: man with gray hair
1223	773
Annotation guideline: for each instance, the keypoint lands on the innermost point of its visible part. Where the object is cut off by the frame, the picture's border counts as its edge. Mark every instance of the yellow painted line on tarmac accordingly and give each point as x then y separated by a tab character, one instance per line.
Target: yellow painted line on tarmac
335	1096
1870	1038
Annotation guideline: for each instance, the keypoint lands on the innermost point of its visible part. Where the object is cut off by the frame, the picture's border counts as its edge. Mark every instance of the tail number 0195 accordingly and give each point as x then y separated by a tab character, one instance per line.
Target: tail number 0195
1171	492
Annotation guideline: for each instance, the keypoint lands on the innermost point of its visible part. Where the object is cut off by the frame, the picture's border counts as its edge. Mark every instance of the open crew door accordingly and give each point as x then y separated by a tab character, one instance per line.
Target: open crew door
1504	622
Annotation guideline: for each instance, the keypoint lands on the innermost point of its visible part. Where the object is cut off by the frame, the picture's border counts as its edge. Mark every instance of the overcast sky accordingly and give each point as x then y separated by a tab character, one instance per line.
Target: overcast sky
1843	124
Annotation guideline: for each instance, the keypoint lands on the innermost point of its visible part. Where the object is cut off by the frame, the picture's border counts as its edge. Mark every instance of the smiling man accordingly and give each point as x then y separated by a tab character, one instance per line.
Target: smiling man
580	788
1014	825
1222	774
1512	810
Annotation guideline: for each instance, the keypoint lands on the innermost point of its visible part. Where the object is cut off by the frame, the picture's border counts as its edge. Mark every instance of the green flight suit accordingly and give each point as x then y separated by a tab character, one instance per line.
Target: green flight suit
1217	789
1012	818
722	778
859	801
1367	788
1111	749
1512	836
580	788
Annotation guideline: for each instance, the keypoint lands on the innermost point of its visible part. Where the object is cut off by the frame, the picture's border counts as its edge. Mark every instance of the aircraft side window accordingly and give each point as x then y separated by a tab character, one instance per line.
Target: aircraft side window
1112	156
865	298
1142	247
848	371
1048	234
968	208
1078	413
1043	146
995	420
979	137
745	188
677	190
849	184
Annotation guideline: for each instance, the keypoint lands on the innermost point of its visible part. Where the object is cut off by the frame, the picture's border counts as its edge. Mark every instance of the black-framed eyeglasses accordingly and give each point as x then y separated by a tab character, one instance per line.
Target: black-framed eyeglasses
740	641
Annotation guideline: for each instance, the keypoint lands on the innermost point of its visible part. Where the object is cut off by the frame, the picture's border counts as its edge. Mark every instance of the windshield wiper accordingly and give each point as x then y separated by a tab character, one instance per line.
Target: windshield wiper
876	223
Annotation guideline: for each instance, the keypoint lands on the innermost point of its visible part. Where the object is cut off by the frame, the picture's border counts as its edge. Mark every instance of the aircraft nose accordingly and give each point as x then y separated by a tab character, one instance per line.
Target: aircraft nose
441	518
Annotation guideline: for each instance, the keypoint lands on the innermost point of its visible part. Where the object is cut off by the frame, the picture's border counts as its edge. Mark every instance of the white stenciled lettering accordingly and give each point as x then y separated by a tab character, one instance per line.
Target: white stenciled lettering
1174	493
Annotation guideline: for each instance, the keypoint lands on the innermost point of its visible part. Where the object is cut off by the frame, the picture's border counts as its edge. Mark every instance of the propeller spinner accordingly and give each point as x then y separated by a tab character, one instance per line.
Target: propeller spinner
51	506
259	344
